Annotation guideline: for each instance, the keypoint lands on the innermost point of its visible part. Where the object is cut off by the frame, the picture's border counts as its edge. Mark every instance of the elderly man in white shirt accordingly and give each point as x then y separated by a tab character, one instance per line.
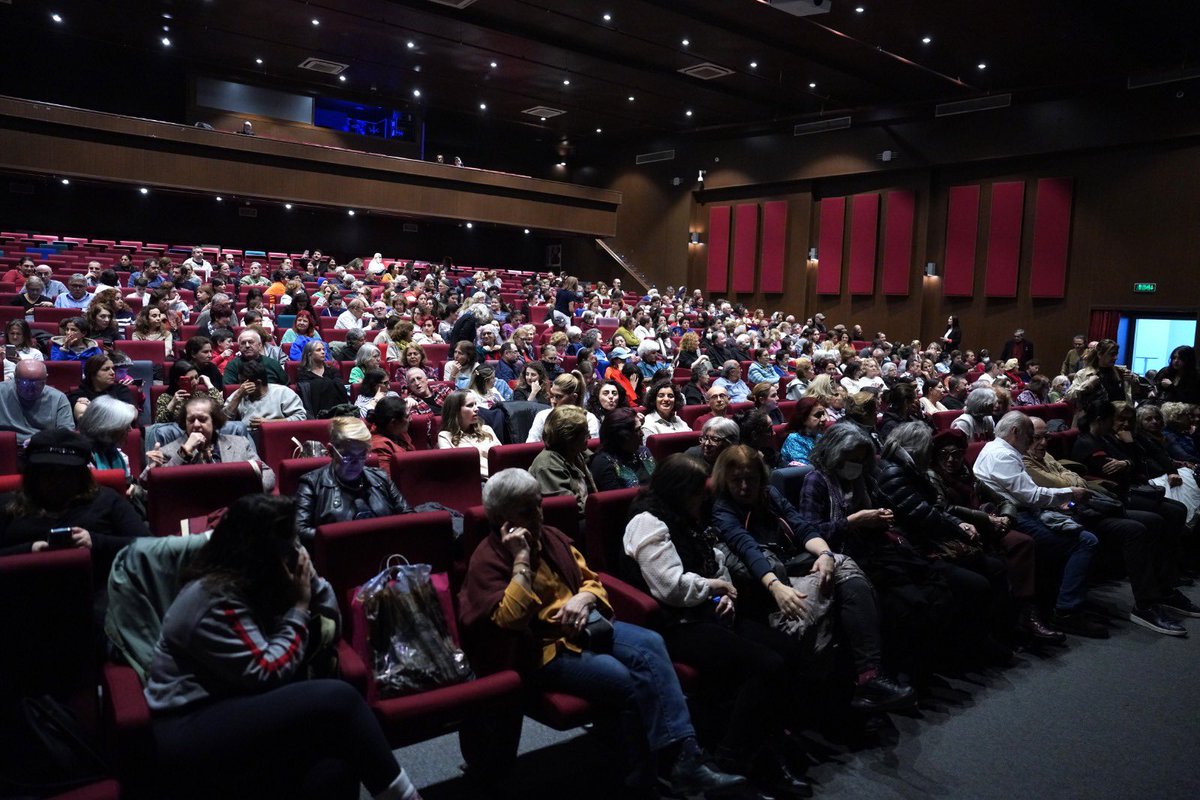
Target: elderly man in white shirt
1001	470
731	381
354	316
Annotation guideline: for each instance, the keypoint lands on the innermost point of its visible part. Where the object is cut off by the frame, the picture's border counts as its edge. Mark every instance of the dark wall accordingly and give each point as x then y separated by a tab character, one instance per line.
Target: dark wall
172	218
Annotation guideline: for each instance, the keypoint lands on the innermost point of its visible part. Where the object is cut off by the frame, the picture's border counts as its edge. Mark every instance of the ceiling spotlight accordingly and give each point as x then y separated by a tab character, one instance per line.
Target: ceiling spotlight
688	112
219	198
470	225
599	130
543	119
258	61
982	65
527	231
859	9
342	78
812	85
483	106
410	45
166	28
66	182
493	65
168	15
144	190
166	42
926	39
685	42
562	163
416	92
288	206
316	21
566	81
607	18
351	212
56	17
753	65
631	98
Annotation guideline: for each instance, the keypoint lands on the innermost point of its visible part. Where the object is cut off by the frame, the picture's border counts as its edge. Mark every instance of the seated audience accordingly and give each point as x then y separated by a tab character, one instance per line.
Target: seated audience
106	424
28	405
151	326
72	344
366	359
346	489
101	324
623	461
731	381
458	369
561	468
931	399
527	578
19	345
566	389
423	398
251	349
1035	393
900	406
33	296
977	421
804	428
374	387
716	436
318	381
390	421
225	680
718	405
255	401
696	388
57	491
201	420
77	295
297	337
489	391
765	397
606	396
461	427
533	385
99	378
184	380
666	401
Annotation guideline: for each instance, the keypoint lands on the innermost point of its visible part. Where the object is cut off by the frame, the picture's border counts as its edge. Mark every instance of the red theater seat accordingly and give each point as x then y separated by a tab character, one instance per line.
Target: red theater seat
449	477
64	375
507	456
8	453
142	351
942	420
664	444
179	493
275	438
606	514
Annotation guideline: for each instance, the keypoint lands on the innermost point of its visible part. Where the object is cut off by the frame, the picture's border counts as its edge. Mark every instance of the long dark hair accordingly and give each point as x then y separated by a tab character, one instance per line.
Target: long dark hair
72	486
593	404
250	552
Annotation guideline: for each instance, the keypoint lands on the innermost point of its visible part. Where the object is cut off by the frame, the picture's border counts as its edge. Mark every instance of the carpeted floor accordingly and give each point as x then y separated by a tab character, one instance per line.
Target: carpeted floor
1118	718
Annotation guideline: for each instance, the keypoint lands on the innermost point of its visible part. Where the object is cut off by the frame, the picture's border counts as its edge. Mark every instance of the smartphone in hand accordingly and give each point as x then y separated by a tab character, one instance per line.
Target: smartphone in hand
59	538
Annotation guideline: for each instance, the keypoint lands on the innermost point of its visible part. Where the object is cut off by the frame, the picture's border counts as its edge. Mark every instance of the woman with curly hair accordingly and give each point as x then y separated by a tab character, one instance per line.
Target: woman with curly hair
151	326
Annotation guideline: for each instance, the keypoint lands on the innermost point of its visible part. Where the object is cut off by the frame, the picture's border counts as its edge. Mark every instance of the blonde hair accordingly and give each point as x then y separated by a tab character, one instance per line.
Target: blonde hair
823	388
563	424
348	430
1177	414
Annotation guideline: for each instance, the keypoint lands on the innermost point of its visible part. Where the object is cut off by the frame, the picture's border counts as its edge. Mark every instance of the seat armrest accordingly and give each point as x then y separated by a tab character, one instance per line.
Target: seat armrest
631	604
352	668
125	707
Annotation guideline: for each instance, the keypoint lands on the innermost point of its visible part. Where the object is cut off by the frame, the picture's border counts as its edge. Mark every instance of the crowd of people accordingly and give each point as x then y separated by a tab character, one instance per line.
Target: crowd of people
913	544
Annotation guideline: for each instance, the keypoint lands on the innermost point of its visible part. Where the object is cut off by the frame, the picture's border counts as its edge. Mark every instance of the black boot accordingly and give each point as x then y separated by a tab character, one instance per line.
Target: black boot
771	773
690	775
881	693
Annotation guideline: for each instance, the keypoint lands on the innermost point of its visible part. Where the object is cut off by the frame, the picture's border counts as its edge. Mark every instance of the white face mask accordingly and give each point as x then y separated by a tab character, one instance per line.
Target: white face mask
851	471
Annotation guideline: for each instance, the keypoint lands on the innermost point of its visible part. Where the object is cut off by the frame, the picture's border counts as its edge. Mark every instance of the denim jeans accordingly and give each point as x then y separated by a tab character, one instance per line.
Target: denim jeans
1076	548
637	675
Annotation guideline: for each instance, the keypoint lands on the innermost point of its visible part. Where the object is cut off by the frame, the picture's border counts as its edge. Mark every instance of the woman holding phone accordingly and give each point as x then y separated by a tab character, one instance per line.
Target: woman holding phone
183	380
18	346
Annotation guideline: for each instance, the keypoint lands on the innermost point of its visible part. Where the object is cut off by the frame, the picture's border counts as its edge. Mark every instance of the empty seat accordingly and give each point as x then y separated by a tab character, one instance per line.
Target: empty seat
275	438
606	514
179	493
449	477
664	444
142	351
506	456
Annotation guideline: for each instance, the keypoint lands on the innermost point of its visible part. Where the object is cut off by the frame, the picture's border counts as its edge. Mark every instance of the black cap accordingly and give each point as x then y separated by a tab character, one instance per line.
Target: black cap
60	446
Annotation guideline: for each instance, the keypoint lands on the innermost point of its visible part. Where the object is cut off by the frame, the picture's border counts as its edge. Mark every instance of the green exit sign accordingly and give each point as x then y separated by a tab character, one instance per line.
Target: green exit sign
1145	288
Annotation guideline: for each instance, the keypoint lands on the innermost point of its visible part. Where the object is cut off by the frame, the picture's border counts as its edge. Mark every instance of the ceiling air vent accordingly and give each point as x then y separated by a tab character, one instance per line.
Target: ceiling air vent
661	155
321	65
706	71
410	227
544	111
835	124
244	211
21	188
969	106
453	3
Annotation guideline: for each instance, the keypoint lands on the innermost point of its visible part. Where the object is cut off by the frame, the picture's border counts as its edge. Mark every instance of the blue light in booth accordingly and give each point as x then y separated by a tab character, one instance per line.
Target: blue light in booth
376	121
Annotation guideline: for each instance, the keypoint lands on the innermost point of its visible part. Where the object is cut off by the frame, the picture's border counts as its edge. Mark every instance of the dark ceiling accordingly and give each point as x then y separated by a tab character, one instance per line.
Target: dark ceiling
870	60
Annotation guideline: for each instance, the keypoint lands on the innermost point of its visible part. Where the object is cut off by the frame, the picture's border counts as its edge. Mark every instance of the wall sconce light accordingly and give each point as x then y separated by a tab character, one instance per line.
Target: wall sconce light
812	258
694	238
931	270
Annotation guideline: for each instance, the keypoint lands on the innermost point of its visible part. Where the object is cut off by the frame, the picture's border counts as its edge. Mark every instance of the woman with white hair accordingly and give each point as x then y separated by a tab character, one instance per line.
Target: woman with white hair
106	423
368	358
528	579
977	421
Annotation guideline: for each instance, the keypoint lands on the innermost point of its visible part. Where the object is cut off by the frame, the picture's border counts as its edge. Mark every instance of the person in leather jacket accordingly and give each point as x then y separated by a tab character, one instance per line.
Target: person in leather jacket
347	489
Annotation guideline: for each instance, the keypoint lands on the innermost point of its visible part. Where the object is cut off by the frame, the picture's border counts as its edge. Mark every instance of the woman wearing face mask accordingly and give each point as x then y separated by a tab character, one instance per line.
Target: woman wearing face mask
782	584
347	489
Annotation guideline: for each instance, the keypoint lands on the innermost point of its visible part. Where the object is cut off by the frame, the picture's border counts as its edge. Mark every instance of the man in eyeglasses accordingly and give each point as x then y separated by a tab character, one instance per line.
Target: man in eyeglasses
77	295
28	405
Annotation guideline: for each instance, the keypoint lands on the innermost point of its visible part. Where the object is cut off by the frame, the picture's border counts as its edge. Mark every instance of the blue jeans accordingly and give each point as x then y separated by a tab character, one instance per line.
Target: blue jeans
1076	548
637	675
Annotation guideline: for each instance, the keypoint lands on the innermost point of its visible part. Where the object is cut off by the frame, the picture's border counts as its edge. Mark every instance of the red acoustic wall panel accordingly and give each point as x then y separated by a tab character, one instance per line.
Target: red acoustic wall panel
1051	237
898	241
864	233
745	247
962	233
829	246
718	249
1004	239
774	246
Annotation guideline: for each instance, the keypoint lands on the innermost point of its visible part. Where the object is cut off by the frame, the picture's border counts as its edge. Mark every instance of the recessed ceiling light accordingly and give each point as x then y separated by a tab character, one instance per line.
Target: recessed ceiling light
342	78
351	212
56	17
144	190
982	65
599	130
258	61
685	42
688	112
926	39
470	225
607	18
566	81
562	163
219	198
483	106
493	65
166	42
527	230
631	98
543	119
859	9
316	21
166	28
812	85
416	92
167	15
66	182
410	45
288	206
753	65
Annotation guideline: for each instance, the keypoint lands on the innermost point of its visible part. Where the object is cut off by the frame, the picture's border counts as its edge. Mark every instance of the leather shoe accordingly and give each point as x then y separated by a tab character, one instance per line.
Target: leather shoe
1039	631
690	776
881	693
1152	617
773	775
1077	624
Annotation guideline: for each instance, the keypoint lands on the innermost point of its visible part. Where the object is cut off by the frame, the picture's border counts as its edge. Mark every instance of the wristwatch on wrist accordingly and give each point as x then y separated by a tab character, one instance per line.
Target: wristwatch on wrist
828	553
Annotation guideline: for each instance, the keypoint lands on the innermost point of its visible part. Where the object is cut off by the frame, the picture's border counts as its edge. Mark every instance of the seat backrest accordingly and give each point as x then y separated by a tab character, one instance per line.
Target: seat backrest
606	514
690	414
275	438
64	375
449	477
142	351
8	453
789	481
179	493
291	470
507	456
46	614
436	352
973	451
55	315
942	420
664	444
563	513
